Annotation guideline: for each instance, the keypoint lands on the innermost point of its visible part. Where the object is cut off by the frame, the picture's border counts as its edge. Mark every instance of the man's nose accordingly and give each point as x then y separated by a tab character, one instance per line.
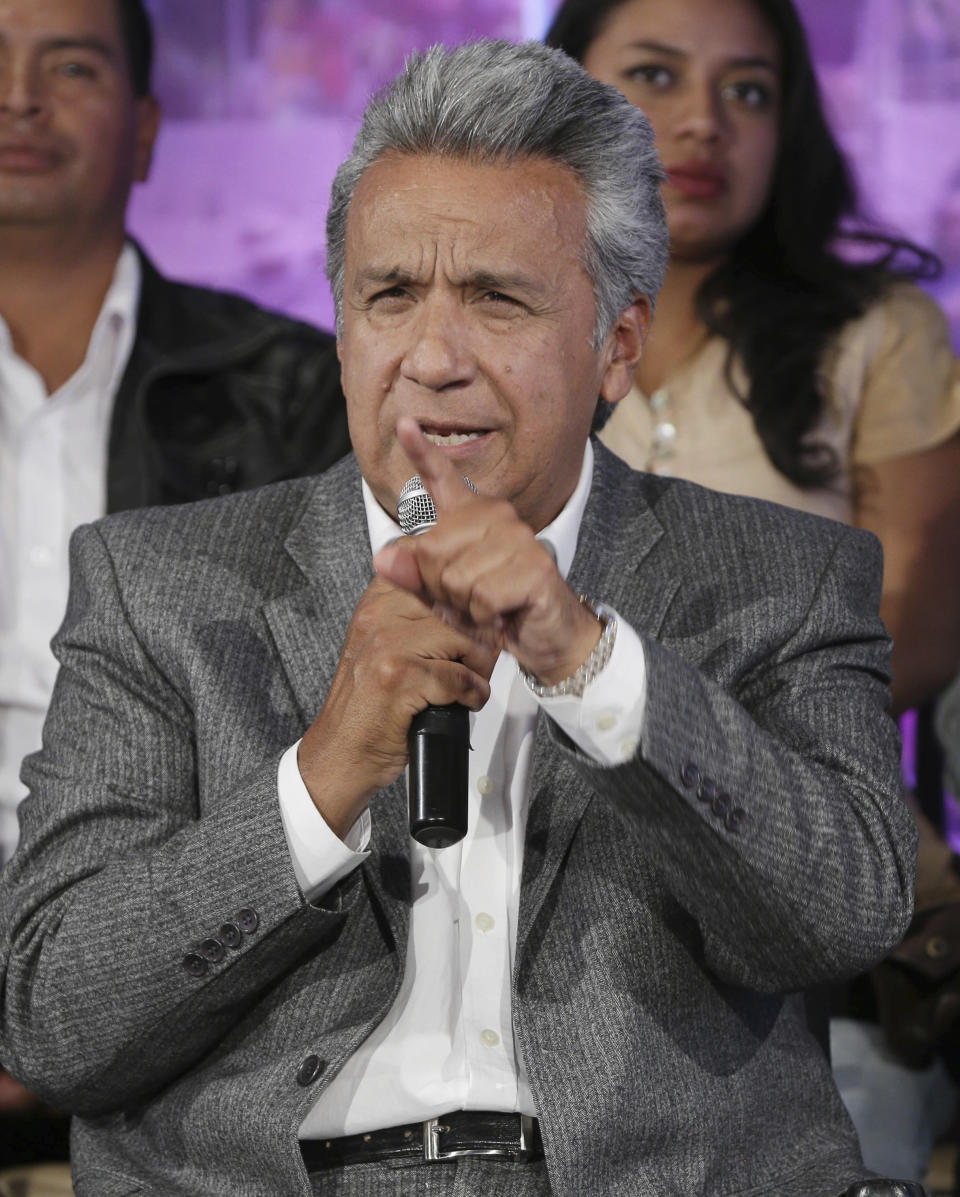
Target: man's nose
21	92
439	354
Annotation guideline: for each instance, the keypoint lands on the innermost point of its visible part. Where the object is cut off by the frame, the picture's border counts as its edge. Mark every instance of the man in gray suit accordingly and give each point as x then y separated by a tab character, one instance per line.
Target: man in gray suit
223	951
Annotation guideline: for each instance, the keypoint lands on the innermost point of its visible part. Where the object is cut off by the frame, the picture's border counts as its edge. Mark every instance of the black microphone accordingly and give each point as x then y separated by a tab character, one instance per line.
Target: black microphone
438	741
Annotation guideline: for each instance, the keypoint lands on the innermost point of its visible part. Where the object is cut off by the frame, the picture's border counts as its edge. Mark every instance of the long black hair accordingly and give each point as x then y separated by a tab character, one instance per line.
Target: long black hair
785	291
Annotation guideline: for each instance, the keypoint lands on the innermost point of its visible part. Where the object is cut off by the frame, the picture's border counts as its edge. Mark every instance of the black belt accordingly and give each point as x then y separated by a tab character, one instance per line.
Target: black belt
466	1132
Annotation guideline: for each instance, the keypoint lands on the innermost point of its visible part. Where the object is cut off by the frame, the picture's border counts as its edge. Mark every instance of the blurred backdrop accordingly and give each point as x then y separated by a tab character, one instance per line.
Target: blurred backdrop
262	99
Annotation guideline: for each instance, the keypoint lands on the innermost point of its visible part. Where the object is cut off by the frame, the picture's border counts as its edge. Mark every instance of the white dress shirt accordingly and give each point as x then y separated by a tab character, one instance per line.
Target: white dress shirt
53	456
447	1041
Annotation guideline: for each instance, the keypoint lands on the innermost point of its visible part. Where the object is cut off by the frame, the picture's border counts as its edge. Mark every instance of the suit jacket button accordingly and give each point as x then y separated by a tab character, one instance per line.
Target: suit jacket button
735	819
248	920
231	935
689	774
195	964
212	950
707	789
310	1069
720	804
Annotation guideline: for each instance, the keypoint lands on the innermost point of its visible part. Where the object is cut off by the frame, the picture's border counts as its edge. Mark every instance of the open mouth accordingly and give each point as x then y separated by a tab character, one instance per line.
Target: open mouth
449	438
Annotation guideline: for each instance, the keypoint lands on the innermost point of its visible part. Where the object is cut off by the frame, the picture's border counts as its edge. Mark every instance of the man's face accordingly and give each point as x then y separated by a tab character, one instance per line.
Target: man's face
467	307
73	137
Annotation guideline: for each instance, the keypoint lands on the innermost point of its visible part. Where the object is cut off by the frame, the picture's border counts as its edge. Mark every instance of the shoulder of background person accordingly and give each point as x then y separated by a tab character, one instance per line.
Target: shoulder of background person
190	315
902	311
893	372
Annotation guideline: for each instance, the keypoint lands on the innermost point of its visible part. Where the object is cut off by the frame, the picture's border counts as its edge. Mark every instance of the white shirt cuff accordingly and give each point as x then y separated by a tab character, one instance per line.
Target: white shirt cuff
320	858
607	720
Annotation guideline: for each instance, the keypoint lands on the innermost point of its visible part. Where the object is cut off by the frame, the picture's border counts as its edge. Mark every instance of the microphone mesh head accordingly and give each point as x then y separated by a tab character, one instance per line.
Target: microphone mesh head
415	510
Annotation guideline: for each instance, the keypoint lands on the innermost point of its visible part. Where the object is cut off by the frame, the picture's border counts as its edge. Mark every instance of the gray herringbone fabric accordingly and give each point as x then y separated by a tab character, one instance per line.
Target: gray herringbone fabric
659	951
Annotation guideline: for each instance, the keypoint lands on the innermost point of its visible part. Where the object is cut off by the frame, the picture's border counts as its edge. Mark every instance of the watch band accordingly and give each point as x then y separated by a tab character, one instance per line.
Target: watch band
574	686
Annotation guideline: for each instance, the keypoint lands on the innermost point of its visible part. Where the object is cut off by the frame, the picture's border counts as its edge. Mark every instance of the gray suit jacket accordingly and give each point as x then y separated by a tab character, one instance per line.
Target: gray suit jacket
665	926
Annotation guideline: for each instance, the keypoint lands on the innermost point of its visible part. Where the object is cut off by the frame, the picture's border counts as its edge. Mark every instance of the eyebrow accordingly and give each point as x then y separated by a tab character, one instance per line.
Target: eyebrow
399	277
750	61
508	281
95	45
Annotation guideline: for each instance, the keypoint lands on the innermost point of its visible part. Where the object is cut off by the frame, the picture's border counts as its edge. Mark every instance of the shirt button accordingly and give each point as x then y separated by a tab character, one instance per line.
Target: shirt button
606	721
489	1038
628	748
485	922
485	785
663	439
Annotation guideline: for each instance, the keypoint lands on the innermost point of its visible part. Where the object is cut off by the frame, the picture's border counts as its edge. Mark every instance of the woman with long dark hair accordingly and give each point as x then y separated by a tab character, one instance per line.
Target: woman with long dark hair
778	366
793	358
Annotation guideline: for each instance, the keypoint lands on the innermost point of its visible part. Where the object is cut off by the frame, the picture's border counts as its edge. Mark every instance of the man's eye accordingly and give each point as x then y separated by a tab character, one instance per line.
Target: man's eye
653	74
76	70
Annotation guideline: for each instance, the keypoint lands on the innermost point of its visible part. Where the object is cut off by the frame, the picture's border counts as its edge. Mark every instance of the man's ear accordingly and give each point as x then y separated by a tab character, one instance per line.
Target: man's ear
623	349
148	122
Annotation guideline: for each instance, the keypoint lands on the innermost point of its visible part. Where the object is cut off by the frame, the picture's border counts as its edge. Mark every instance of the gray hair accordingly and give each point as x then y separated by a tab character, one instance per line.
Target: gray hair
494	101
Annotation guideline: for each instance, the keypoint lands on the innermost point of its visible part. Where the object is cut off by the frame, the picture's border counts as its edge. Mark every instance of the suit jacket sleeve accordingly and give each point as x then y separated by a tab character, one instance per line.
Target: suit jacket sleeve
121	877
769	790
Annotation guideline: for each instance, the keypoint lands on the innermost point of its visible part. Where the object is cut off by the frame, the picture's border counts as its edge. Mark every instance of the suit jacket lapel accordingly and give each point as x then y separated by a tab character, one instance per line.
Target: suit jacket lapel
618	532
330	545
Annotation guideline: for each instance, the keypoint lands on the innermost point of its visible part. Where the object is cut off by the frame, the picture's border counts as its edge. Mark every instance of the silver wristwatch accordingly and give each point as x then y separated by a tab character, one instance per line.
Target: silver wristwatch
575	685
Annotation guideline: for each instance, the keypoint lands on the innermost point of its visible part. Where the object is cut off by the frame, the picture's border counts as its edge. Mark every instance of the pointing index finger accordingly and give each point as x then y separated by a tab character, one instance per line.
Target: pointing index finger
438	475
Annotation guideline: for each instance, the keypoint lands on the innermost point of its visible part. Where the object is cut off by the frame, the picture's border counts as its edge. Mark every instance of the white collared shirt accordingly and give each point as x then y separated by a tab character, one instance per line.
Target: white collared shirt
53	456
447	1041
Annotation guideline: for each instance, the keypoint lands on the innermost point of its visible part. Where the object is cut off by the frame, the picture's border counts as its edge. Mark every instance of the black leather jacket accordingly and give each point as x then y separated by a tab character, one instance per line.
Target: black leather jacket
219	395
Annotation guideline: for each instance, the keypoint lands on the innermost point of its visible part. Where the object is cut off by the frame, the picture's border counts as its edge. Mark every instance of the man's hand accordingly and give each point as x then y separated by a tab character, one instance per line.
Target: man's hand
13	1097
428	630
482	569
397	659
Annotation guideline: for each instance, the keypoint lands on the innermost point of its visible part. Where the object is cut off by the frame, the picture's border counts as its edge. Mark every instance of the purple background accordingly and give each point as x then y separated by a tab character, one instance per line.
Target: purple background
262	99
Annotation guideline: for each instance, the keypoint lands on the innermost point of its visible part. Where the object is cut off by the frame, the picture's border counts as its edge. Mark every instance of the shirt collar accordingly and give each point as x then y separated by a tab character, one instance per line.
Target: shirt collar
118	311
123	297
560	536
113	332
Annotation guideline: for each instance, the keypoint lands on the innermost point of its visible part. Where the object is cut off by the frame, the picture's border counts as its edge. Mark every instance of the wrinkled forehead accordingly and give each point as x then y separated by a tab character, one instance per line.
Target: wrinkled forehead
505	203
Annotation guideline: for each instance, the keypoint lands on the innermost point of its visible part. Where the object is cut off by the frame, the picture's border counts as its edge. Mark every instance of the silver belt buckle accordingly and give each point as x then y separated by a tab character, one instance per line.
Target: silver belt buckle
431	1143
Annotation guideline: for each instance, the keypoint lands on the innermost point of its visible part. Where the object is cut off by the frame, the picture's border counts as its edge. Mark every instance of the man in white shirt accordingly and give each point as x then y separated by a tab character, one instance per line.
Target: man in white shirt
117	387
227	956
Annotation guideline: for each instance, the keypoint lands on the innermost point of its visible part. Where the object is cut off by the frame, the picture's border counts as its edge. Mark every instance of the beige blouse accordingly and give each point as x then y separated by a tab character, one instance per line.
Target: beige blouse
893	385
